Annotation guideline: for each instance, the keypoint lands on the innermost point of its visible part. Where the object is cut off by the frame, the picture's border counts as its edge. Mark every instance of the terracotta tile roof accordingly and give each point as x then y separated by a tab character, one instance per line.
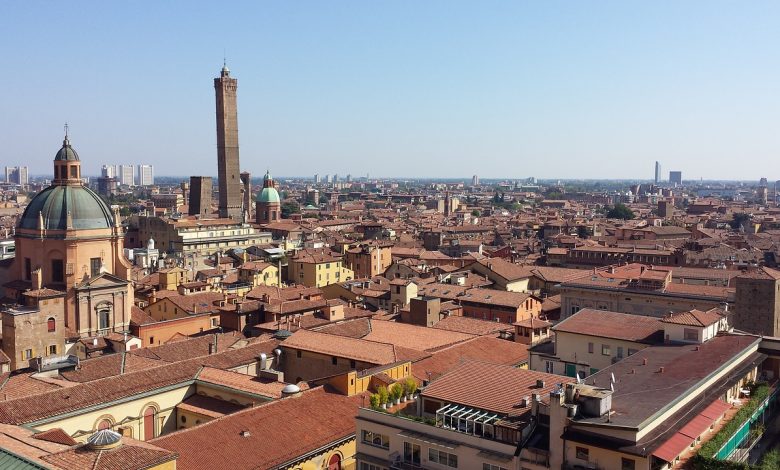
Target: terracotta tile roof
13	386
413	336
695	317
22	442
130	455
52	403
371	352
107	366
188	348
507	270
606	324
56	435
471	326
352	329
492	387
299	425
484	348
208	406
243	382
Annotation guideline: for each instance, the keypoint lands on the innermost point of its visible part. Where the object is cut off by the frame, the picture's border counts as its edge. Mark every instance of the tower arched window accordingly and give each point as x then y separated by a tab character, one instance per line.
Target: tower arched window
51	324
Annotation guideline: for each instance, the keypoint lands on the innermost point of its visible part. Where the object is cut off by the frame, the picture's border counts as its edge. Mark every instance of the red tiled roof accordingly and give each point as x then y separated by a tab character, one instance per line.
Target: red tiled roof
492	387
482	348
673	447
695	317
208	406
298	425
56	435
130	455
606	324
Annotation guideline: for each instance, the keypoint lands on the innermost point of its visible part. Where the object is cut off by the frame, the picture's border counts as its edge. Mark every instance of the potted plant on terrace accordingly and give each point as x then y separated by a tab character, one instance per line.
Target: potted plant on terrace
395	393
410	386
383	395
374	400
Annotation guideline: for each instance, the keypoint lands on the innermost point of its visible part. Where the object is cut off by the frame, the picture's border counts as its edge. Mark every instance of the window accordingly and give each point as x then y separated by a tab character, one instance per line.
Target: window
94	266
27	354
376	439
298	353
103	318
620	352
57	271
351	363
490	466
411	453
582	453
334	360
51	324
151	340
443	458
574	309
369	466
606	350
590	348
548	367
27	269
52	349
691	334
627	464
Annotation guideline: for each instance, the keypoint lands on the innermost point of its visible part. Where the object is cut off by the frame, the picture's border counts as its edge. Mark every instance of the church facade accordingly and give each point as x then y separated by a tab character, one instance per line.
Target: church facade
70	242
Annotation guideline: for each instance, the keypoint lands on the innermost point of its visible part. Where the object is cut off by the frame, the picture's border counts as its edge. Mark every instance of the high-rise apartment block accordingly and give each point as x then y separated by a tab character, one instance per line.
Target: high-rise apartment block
125	174
227	146
108	171
316	178
657	172
17	175
475	180
145	175
675	178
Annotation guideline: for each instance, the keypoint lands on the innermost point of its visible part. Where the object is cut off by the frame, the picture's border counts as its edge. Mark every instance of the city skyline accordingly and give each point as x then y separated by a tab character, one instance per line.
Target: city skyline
553	91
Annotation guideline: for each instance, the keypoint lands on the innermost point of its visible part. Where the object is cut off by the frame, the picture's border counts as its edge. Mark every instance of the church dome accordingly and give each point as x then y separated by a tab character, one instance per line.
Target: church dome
268	195
269	192
66	152
87	210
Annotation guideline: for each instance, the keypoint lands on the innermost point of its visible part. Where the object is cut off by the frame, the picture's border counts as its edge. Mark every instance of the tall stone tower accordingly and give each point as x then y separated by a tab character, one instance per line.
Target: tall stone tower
227	145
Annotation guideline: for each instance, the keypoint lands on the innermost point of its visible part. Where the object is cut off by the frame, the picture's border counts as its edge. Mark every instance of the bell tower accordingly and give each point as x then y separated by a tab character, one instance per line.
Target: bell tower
227	145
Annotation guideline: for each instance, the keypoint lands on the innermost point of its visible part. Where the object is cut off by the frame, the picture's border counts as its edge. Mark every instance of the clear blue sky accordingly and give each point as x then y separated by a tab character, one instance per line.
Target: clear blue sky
399	88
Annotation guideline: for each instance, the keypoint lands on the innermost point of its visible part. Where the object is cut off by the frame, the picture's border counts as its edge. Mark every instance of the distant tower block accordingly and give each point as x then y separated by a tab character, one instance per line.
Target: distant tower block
200	195
227	146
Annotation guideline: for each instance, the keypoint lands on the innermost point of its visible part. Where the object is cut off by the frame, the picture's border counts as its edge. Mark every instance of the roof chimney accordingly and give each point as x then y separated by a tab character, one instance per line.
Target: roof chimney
644	361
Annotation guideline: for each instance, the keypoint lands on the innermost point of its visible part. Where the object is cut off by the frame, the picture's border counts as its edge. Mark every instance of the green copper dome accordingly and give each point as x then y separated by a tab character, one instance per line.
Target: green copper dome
268	195
87	210
66	152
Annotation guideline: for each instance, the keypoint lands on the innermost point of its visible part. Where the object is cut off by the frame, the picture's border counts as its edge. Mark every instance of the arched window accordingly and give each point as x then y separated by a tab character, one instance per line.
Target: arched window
150	430
51	324
335	462
103	318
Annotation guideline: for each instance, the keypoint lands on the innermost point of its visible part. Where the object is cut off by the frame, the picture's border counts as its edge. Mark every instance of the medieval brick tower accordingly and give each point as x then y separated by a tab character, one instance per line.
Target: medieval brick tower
227	146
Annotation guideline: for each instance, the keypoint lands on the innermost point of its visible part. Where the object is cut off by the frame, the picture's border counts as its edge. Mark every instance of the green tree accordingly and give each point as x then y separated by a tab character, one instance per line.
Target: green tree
740	220
620	211
475	213
290	207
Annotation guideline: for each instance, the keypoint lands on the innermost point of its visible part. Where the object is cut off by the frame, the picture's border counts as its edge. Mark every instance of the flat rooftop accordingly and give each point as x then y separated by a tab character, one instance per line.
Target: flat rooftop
642	390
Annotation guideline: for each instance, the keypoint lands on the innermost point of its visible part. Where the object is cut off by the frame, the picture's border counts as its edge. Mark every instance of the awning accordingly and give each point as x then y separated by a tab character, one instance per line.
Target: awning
672	448
697	426
715	410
